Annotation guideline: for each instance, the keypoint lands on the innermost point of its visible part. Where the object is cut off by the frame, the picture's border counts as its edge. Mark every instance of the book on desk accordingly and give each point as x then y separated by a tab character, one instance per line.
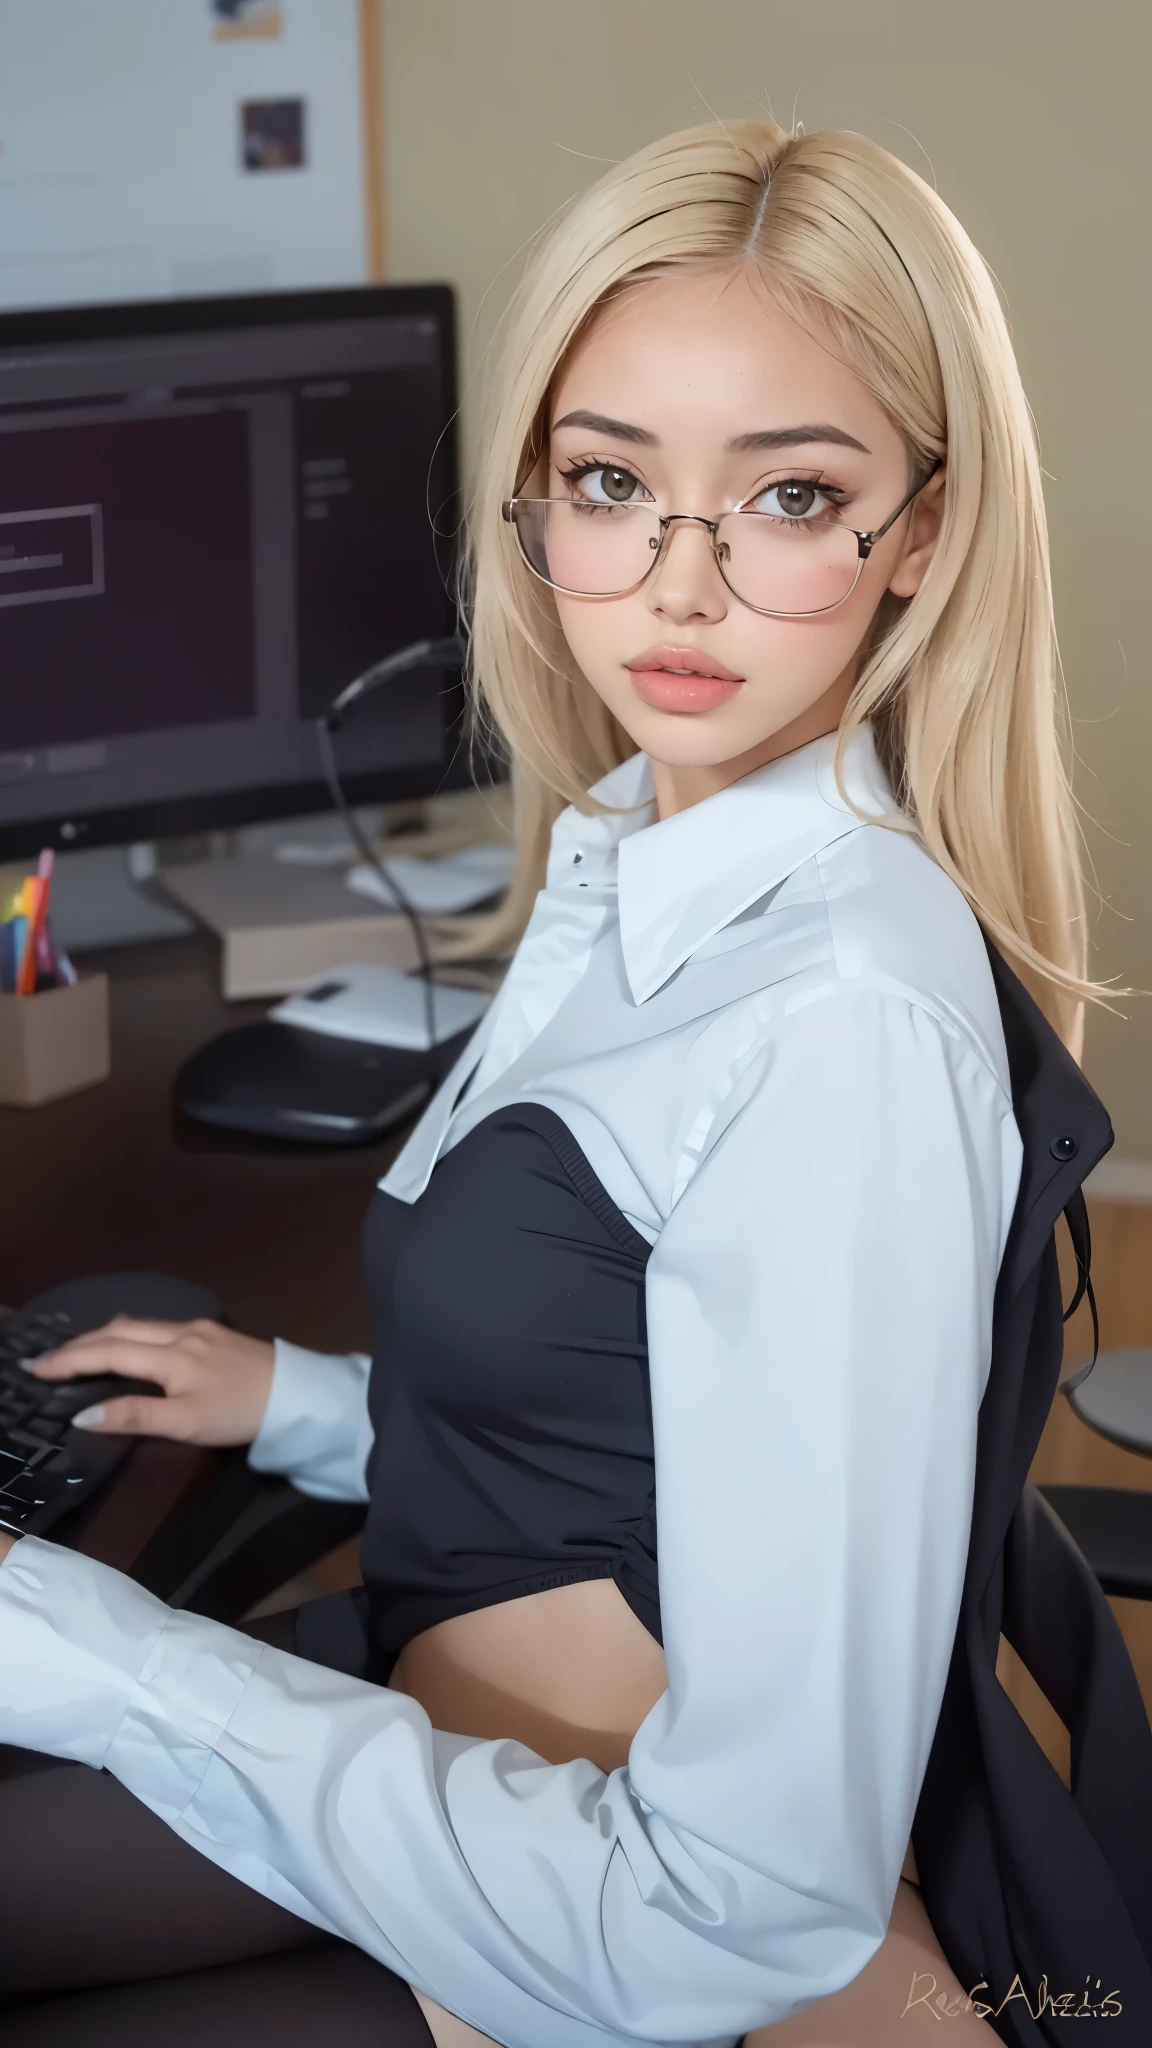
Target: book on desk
281	925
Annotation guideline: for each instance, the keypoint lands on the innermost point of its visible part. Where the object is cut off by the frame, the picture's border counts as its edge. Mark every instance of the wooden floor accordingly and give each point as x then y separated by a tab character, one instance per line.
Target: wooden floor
1072	1454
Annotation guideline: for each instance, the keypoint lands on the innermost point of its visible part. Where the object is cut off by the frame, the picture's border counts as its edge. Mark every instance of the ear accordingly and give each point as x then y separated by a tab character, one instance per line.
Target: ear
923	534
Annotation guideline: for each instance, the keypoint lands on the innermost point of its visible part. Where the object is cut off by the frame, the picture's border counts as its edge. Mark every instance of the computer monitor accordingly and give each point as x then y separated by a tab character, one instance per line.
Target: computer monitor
214	513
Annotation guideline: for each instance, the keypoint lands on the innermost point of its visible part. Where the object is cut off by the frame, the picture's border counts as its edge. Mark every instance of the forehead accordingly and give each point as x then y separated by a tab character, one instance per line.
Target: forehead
707	347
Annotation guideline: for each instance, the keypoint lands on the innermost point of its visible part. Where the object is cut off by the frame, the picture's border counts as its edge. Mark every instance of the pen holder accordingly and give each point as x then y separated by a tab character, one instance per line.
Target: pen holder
53	1044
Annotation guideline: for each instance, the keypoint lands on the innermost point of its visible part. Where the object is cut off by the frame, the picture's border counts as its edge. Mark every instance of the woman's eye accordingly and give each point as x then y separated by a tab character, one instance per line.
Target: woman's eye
791	499
607	485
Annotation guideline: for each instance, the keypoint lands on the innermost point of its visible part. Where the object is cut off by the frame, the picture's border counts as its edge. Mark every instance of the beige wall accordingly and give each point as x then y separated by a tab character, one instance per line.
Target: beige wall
1032	116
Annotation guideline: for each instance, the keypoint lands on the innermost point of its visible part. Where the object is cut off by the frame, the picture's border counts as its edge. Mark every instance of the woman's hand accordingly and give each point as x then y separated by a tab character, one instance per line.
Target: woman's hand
216	1383
6	1542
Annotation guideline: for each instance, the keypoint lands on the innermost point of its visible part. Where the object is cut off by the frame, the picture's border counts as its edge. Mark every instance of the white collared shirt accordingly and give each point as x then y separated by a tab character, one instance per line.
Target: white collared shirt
773	1031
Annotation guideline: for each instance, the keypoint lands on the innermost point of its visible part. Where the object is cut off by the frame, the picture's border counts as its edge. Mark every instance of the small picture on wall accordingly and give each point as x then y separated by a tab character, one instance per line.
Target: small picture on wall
235	21
272	135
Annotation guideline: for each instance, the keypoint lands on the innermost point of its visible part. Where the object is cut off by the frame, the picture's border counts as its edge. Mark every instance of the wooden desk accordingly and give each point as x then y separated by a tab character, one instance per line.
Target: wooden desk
111	1180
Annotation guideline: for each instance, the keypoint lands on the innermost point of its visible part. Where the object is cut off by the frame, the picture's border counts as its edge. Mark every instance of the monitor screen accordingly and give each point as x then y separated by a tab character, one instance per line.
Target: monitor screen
213	515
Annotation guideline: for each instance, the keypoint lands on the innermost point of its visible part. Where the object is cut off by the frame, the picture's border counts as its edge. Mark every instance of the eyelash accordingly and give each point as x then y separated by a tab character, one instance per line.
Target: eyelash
831	492
579	470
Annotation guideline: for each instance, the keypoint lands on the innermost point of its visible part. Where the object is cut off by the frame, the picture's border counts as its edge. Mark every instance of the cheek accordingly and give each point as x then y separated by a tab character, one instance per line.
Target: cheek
803	656
602	636
815	650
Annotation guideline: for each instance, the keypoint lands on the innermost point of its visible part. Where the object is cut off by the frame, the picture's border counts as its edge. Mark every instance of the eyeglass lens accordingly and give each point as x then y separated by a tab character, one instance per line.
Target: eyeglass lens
775	564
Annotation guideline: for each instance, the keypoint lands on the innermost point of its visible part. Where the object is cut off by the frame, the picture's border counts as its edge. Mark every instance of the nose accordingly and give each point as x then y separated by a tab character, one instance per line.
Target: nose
686	582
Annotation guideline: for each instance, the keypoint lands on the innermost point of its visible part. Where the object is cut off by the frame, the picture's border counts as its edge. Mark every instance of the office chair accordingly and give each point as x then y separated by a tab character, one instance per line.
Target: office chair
243	1536
1112	1525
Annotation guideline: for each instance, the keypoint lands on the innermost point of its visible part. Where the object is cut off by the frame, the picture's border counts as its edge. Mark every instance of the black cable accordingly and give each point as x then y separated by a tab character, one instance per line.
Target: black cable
421	654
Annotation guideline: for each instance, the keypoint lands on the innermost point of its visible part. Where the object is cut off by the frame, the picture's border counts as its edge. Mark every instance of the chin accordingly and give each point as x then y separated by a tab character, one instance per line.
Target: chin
688	739
694	750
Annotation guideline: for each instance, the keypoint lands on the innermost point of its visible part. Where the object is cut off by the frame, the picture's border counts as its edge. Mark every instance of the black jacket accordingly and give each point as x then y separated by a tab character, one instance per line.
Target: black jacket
1030	1887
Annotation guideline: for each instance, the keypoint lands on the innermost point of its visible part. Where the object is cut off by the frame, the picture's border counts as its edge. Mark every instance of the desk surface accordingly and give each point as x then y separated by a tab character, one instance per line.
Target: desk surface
111	1180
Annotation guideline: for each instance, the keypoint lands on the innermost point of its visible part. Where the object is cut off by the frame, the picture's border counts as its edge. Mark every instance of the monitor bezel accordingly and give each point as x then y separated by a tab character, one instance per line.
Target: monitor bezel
69	831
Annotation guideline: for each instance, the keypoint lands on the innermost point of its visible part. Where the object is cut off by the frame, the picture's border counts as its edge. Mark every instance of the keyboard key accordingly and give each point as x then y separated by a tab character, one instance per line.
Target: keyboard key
25	1438
69	1398
26	1344
30	1491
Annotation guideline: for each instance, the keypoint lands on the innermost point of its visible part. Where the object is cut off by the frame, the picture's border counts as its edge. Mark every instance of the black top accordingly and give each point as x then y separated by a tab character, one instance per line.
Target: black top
509	1390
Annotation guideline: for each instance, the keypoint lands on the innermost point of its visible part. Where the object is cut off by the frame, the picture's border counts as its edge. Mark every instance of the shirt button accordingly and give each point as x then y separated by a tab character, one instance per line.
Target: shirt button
1064	1148
576	859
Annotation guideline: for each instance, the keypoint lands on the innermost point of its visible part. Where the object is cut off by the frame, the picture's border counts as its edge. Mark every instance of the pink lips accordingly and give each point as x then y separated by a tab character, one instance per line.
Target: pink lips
707	684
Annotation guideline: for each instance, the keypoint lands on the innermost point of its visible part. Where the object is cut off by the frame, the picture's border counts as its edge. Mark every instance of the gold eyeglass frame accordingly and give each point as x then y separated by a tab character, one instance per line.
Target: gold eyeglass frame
865	542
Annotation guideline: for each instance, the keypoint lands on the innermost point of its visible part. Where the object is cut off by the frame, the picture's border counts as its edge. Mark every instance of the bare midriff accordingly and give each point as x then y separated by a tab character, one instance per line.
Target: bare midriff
571	1672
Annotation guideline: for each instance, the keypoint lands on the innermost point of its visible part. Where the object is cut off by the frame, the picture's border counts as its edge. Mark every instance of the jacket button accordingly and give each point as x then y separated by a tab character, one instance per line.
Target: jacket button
1064	1148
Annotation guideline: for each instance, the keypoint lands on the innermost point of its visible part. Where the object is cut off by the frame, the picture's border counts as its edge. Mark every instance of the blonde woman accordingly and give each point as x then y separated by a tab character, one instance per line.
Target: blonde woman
686	1284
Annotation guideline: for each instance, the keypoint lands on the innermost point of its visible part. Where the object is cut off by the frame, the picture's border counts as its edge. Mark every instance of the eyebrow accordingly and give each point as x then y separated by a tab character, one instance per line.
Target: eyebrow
792	437
599	423
760	442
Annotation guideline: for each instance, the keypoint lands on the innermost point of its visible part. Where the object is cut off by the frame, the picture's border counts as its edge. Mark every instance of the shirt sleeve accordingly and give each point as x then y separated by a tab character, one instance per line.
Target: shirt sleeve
819	1316
316	1429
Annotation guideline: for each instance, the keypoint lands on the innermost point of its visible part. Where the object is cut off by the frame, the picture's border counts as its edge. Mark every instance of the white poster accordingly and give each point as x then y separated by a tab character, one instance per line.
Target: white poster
157	148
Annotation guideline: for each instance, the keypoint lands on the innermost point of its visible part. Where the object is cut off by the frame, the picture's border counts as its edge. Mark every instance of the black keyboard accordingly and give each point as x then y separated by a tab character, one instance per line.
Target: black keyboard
46	1467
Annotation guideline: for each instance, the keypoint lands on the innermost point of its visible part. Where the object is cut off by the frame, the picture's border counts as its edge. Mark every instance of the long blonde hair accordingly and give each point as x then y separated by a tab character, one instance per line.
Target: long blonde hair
961	682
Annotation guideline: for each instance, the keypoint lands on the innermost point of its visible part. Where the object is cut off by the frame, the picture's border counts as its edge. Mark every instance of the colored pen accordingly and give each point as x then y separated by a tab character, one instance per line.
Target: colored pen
26	974
38	887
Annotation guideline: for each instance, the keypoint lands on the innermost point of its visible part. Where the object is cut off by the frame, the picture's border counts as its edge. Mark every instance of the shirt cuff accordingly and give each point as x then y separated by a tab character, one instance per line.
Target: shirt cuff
84	1653
316	1429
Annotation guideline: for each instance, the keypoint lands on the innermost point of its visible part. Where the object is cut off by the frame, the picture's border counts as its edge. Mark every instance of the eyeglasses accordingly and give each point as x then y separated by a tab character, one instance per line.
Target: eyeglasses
788	567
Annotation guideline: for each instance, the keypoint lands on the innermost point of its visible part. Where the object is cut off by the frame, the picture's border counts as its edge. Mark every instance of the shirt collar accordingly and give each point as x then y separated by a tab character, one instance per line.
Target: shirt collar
682	879
592	842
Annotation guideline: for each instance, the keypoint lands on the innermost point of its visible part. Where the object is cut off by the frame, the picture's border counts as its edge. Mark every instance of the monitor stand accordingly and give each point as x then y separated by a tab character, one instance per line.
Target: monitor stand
105	897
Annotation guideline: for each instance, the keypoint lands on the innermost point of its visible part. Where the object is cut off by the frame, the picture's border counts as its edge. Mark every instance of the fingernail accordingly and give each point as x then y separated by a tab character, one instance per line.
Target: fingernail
89	1418
30	1364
